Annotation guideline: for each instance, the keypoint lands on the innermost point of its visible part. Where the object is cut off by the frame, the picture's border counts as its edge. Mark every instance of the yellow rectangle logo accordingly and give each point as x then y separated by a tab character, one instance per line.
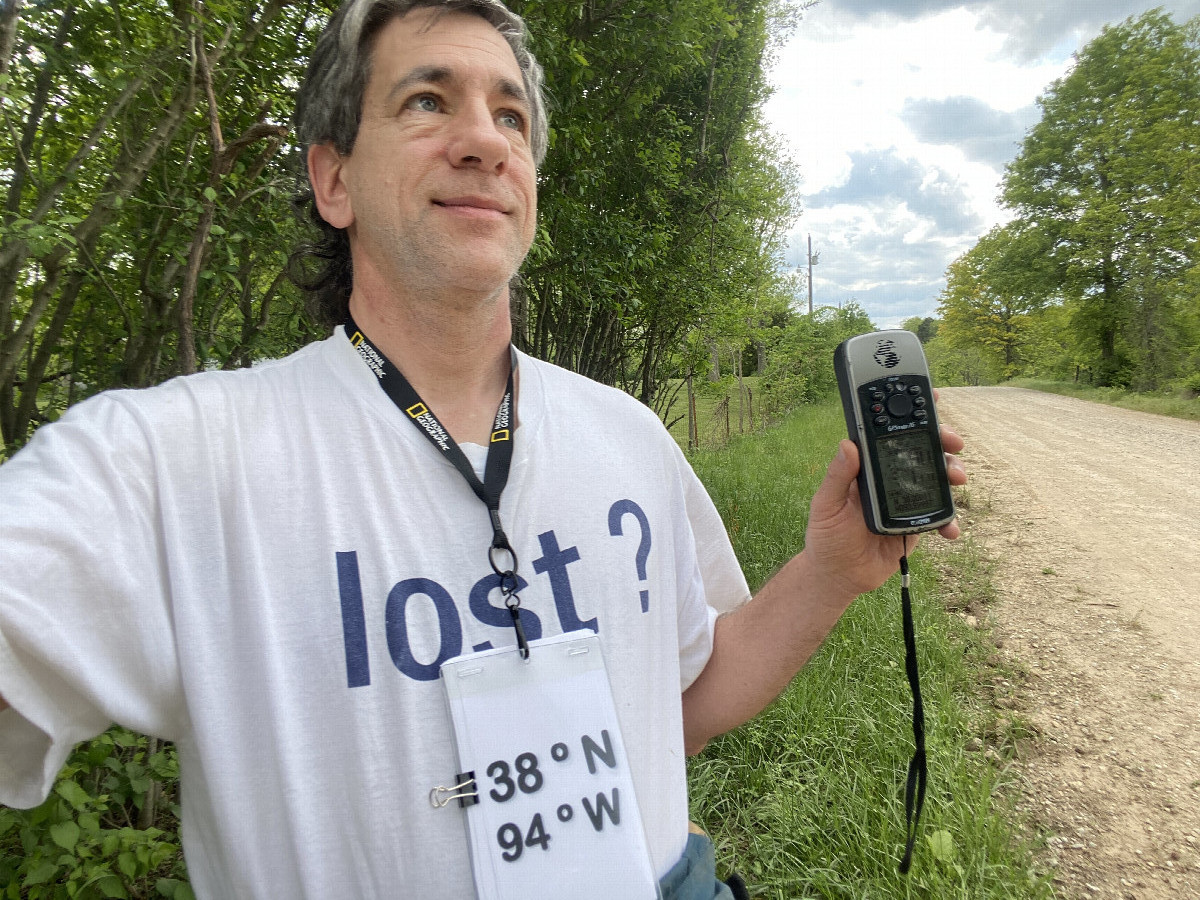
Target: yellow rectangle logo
357	339
501	435
417	410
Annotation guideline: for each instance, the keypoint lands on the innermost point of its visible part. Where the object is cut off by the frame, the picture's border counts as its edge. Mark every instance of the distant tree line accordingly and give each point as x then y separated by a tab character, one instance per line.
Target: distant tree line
1097	276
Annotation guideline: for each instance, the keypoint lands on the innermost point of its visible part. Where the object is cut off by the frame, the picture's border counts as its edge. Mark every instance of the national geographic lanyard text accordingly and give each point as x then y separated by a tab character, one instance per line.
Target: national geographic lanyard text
501	555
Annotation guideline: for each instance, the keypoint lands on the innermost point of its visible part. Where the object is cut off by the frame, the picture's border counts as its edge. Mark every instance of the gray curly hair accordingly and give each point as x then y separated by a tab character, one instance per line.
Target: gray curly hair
329	110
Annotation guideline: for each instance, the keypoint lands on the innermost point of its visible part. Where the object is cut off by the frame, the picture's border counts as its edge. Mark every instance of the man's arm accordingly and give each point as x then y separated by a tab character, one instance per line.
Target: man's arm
758	648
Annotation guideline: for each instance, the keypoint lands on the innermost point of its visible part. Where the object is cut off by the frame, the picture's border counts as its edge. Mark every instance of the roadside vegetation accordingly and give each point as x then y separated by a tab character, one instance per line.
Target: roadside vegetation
1179	405
807	800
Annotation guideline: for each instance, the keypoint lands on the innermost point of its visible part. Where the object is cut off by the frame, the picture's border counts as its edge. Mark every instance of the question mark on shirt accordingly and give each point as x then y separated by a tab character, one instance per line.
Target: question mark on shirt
616	513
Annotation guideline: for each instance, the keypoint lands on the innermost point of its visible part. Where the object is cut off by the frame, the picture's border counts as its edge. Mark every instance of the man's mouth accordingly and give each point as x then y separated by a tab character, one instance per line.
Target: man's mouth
467	204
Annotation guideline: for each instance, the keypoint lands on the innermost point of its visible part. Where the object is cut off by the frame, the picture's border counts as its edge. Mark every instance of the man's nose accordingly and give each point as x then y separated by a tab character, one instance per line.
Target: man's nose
477	139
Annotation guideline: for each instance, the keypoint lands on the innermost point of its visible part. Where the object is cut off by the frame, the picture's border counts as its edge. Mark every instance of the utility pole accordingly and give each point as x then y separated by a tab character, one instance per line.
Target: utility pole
812	260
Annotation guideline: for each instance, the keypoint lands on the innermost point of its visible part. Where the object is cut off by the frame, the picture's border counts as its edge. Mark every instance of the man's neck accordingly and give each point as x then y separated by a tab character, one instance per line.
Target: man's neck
456	357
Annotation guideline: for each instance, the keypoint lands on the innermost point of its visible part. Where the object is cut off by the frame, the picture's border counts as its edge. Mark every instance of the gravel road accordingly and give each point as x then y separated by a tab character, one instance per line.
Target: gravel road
1091	515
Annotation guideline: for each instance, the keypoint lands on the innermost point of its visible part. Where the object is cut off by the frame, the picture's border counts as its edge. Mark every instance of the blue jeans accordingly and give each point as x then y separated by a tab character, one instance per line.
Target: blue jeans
694	877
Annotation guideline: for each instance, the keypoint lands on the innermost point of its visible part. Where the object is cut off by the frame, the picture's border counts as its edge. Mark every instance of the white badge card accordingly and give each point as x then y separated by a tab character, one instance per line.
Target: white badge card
556	814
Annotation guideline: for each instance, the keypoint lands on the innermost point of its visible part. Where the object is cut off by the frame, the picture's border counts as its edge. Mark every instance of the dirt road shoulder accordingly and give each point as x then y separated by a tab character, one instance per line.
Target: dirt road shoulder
1089	516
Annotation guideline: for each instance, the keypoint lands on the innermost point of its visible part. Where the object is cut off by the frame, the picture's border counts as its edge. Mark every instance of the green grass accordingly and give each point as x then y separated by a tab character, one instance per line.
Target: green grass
807	800
1174	405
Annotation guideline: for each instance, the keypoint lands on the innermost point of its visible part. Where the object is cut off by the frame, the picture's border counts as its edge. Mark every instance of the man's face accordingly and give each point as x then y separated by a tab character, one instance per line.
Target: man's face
441	187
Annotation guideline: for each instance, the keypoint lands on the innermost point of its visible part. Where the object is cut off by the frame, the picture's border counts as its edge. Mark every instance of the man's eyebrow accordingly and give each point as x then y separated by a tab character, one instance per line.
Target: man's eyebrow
513	90
421	75
439	75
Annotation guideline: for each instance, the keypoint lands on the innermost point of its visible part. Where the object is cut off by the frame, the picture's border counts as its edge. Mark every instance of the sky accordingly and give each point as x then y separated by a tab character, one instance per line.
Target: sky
901	115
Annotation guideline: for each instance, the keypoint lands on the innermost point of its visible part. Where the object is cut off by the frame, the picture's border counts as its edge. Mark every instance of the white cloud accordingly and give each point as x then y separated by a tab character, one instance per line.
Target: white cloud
843	88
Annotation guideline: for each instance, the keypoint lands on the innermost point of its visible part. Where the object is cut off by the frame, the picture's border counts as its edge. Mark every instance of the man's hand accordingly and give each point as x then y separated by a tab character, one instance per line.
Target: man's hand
758	648
838	540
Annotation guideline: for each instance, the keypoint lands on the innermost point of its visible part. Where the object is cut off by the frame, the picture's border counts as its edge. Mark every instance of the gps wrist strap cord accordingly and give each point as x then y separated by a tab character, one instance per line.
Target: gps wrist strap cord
496	469
914	789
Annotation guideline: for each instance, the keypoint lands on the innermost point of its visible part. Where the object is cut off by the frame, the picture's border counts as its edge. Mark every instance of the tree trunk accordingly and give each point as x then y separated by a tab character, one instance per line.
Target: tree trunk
148	813
9	17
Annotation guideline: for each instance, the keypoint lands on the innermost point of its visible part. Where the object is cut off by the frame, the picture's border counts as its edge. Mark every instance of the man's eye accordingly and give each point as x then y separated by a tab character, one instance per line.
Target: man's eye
512	120
426	103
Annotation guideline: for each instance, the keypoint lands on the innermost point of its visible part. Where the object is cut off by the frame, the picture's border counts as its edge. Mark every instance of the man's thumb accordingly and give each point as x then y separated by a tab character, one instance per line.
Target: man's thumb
831	495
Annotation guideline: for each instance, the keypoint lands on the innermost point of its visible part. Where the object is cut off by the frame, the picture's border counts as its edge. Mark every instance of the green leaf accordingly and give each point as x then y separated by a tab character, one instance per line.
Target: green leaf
128	865
41	874
73	794
210	195
66	835
175	889
110	886
941	844
89	823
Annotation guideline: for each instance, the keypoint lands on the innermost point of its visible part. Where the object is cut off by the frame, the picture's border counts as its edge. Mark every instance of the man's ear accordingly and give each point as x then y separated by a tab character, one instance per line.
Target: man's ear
325	174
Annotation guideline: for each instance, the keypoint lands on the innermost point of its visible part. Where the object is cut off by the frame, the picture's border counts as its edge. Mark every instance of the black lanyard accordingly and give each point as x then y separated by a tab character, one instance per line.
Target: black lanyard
914	787
495	474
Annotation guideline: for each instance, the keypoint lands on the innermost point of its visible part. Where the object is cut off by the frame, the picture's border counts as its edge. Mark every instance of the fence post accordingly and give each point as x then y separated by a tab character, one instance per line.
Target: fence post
693	429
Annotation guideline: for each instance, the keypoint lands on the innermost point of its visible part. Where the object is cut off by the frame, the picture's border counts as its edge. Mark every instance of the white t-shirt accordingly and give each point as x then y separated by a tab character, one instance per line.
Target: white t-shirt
267	566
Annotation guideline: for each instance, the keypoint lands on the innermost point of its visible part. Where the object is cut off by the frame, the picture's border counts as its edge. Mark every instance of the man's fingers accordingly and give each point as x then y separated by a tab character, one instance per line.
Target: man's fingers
951	531
956	472
951	441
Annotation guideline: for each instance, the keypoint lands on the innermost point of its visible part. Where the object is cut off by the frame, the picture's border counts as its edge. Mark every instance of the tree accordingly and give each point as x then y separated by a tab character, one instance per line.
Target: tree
800	368
925	329
951	364
992	292
662	199
1109	176
145	202
1051	348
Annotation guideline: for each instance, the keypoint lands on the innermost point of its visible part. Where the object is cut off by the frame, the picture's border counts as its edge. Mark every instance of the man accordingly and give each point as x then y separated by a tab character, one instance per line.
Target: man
268	567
